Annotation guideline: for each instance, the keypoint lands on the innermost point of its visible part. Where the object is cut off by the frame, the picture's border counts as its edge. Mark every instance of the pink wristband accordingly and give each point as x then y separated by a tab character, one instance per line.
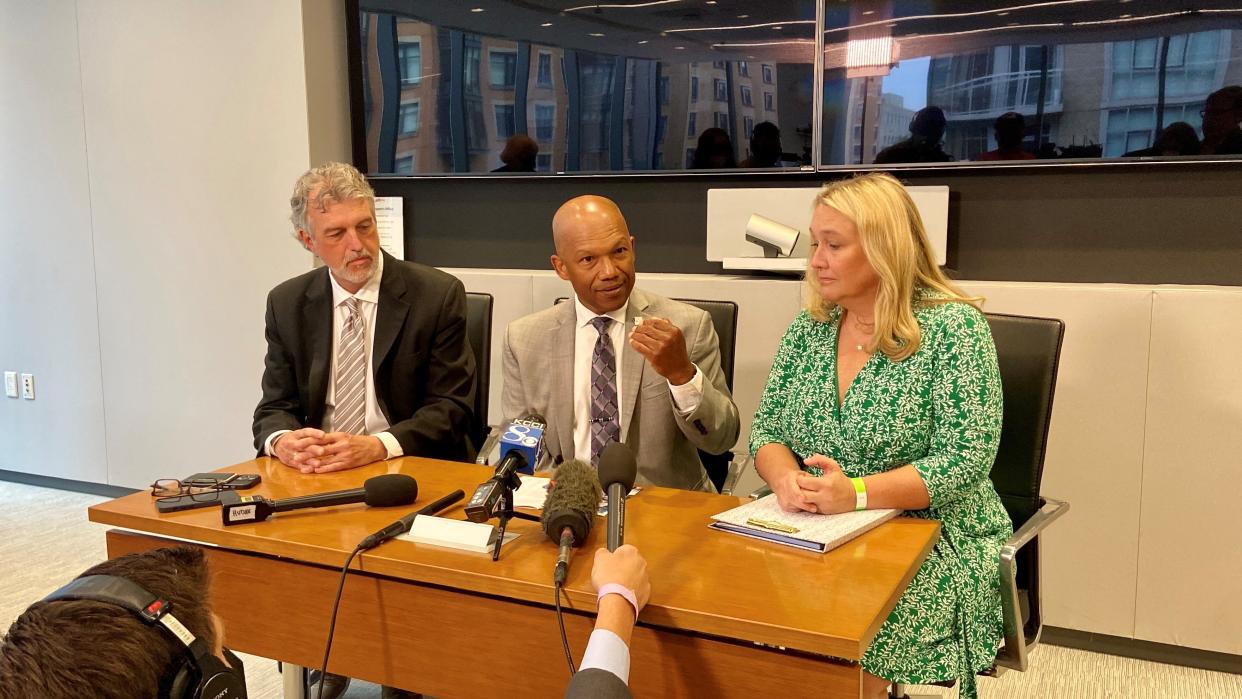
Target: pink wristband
618	589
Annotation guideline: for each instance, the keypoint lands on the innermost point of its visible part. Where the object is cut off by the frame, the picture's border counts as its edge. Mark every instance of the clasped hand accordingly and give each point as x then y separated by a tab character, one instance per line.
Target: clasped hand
798	491
314	451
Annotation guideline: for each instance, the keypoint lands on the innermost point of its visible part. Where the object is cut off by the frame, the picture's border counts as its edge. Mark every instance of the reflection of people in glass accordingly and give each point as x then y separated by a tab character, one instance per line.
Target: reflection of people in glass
1010	127
887	386
519	154
765	146
1178	138
715	151
923	146
1221	114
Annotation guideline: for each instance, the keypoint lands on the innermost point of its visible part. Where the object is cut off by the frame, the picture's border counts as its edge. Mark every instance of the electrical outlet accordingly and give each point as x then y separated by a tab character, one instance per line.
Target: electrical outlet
10	384
28	386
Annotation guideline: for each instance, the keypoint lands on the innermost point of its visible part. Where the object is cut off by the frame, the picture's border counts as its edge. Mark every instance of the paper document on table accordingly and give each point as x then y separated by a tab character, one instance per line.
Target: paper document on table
764	519
390	225
532	493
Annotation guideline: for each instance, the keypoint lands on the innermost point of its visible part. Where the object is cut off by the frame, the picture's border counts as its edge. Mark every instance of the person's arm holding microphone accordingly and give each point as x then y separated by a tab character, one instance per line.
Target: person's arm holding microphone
620	579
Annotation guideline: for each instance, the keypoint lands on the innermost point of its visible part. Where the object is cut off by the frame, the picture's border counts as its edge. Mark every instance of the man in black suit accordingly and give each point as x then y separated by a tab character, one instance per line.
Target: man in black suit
367	357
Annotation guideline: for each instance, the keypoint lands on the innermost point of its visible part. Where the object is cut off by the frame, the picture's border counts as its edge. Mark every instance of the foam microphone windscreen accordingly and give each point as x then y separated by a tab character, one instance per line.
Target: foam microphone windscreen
390	490
572	500
617	465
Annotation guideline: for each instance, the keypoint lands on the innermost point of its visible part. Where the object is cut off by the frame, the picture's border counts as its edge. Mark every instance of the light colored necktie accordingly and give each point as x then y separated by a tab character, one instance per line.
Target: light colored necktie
605	417
351	378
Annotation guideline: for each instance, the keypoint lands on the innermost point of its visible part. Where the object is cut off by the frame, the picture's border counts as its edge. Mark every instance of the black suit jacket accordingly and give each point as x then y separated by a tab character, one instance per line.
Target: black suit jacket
423	367
594	683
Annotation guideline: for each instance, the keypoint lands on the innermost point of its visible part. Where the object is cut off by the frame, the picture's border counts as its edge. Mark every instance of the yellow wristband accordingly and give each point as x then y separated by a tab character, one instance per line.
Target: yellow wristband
860	494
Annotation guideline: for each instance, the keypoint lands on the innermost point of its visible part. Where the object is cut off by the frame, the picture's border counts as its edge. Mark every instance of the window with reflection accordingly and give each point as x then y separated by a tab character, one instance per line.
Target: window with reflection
558	86
908	82
552	86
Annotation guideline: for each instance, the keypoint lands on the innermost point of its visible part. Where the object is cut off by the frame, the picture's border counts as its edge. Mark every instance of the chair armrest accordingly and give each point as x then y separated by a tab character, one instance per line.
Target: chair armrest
1049	512
763	491
489	445
737	466
1014	653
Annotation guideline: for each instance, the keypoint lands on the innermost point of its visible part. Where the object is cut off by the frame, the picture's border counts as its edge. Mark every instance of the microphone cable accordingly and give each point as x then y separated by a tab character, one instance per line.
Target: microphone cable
336	605
560	620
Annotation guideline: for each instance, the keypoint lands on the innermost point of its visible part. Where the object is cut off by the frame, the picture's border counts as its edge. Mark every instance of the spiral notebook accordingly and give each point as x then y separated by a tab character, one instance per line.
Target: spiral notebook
764	519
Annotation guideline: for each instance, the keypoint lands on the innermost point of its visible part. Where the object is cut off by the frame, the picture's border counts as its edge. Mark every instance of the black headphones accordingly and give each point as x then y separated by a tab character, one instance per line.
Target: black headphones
199	674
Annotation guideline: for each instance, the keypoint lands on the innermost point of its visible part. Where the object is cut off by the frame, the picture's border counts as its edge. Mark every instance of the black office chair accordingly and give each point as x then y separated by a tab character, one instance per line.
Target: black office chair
479	333
724	320
1028	351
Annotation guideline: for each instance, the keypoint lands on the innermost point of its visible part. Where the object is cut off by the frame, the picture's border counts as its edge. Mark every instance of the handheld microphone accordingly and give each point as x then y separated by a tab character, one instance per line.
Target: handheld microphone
617	471
520	447
388	490
569	510
403	525
524	435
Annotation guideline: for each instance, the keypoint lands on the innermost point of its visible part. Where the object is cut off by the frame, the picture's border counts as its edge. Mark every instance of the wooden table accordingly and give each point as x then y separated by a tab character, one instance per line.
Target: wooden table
728	617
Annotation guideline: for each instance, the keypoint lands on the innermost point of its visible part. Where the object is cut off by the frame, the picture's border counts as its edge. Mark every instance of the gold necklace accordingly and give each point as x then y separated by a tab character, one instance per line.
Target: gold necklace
859	325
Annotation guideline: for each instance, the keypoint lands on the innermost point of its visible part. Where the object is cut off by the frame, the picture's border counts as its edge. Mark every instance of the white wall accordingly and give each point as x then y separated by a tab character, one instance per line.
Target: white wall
48	324
149	167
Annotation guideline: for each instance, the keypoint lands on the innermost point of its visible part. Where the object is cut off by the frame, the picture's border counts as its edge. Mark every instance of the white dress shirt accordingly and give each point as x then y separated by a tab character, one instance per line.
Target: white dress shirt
368	307
606	651
686	397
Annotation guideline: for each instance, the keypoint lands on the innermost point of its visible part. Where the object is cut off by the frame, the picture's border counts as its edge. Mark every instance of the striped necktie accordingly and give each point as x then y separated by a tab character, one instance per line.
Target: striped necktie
351	378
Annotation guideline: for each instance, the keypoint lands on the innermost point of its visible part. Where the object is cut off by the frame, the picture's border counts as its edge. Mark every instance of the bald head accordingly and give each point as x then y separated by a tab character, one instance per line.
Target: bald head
589	215
594	251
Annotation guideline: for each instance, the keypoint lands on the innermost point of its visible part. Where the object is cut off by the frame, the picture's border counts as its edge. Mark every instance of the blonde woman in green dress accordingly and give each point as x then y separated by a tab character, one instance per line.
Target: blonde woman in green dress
887	384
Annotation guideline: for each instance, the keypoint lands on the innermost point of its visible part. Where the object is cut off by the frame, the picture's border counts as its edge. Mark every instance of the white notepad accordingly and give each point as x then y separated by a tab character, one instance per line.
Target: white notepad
815	532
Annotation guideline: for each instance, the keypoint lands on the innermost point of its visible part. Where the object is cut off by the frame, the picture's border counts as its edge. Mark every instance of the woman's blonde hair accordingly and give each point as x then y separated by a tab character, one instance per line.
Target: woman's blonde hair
895	242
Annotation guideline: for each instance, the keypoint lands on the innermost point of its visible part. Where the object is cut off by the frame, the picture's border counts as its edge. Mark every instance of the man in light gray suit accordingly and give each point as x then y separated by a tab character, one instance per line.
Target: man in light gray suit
617	363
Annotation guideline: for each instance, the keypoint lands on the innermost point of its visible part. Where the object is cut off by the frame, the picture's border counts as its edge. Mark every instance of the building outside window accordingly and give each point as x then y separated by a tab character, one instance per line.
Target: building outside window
543	72
408	118
545	118
743	69
543	162
410	61
504	120
722	121
694	89
692	126
404	164
769	104
721	90
502	68
768	75
746	100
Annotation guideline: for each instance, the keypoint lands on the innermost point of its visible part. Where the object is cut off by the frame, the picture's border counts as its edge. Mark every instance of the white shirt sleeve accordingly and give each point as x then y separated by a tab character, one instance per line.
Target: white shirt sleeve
391	444
686	397
606	651
267	443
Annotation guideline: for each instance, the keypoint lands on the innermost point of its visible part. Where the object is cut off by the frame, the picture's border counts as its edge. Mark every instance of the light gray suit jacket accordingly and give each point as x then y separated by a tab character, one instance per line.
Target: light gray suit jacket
539	377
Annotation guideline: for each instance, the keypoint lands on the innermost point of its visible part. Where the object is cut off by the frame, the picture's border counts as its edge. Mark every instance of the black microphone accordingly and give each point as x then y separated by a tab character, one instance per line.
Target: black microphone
518	449
617	471
403	525
388	490
569	510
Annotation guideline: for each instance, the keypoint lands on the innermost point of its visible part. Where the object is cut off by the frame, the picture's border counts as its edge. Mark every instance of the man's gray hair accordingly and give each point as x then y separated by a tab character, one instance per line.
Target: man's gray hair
328	183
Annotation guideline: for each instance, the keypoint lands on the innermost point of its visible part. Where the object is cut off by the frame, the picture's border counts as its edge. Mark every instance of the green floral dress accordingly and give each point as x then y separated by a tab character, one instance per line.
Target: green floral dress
940	410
